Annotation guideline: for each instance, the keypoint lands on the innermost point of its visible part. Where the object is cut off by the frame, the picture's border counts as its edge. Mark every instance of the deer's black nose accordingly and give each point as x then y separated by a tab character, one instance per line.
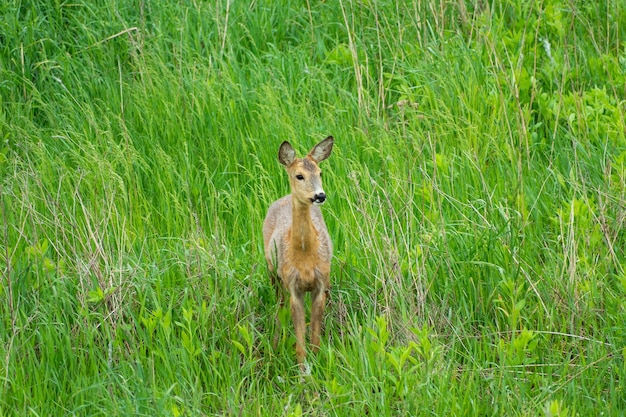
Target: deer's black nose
319	198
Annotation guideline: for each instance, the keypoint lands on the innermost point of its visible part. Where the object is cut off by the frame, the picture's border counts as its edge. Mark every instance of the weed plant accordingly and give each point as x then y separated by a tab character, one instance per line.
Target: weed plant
476	203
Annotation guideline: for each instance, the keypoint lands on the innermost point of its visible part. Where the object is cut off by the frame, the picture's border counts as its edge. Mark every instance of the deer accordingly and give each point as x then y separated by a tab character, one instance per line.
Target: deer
298	248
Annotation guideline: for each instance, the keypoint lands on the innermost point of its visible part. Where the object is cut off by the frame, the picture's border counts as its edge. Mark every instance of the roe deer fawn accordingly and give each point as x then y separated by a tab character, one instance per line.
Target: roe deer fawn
298	248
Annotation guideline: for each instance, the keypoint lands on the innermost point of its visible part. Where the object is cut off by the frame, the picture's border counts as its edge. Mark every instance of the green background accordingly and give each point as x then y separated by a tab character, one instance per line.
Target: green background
475	199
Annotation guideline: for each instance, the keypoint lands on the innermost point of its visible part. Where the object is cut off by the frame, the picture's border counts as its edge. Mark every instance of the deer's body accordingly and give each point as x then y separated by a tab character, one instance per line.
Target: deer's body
298	248
303	248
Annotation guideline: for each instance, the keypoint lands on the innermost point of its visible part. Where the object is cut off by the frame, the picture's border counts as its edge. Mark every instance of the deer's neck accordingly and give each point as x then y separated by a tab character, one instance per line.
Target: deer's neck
303	234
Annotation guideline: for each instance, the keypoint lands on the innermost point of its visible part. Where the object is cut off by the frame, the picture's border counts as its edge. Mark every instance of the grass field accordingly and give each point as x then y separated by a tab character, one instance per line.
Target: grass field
476	200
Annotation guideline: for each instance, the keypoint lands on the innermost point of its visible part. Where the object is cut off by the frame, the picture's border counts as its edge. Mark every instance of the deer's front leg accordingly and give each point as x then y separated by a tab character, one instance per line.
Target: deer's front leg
318	299
299	324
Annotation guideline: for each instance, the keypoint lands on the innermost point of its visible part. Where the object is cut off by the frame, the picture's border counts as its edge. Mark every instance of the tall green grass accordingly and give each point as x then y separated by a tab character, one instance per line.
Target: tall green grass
476	203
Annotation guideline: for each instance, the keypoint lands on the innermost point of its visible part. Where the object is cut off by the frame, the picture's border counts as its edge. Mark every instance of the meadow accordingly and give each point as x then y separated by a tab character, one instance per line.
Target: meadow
476	201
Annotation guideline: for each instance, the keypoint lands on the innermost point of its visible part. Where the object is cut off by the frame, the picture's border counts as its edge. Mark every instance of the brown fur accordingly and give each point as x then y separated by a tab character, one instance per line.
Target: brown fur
298	248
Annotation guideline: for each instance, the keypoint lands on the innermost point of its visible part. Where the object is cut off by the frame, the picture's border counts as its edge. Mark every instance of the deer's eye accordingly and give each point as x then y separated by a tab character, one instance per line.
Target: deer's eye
300	177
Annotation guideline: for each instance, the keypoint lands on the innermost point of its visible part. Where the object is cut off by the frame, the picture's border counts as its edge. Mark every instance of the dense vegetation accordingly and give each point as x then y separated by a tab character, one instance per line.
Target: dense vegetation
476	202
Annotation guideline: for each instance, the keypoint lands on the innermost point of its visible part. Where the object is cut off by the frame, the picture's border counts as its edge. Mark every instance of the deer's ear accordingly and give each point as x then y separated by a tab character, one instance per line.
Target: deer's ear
286	154
322	150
